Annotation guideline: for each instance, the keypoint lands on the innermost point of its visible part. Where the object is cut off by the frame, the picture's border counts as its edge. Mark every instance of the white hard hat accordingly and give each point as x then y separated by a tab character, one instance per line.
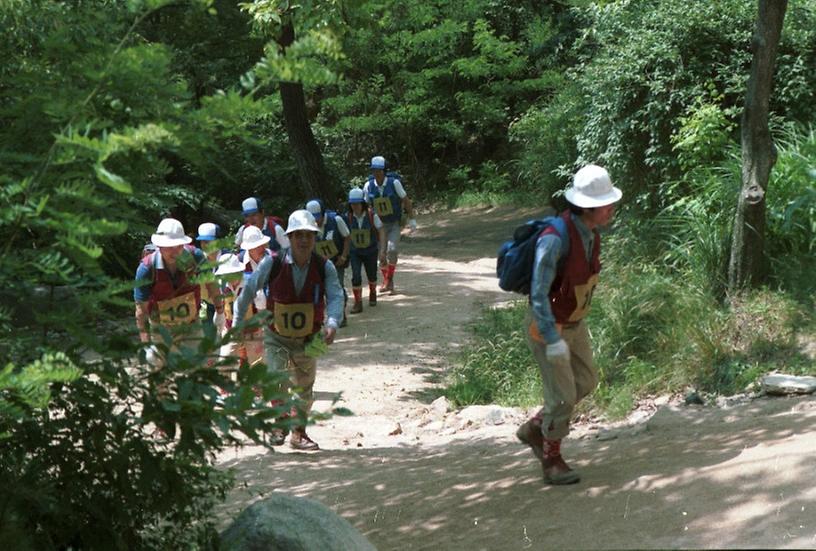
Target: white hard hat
356	195
253	237
378	163
592	187
301	220
229	263
170	233
207	232
315	208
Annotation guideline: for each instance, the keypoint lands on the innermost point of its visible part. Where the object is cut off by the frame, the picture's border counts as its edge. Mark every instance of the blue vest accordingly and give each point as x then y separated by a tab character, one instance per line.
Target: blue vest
368	223
386	190
331	226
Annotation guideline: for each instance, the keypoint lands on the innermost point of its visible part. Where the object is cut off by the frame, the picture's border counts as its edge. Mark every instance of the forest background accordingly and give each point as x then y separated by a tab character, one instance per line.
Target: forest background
116	113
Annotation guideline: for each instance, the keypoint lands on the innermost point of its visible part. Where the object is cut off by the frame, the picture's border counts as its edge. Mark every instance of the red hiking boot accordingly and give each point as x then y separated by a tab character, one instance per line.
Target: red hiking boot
555	469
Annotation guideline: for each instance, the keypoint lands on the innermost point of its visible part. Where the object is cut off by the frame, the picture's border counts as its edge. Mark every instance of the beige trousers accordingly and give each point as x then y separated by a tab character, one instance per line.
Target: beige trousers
286	354
565	382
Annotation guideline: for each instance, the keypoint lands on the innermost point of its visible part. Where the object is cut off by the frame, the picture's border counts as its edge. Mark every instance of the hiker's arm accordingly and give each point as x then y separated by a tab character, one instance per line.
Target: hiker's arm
343	228
548	250
142	321
334	302
251	286
141	296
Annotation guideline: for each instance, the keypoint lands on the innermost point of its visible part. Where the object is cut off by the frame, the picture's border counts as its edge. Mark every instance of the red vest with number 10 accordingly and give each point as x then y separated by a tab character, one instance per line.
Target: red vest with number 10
282	290
576	278
163	288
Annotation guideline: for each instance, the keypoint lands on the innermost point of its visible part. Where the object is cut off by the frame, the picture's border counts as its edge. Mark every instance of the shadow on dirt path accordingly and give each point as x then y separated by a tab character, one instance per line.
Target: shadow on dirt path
740	477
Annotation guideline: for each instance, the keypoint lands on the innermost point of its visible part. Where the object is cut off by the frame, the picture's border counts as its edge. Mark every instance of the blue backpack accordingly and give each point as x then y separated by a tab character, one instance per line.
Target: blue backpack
514	263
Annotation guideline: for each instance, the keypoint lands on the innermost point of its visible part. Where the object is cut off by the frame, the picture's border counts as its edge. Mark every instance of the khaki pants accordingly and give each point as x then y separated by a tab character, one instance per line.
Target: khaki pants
251	349
286	354
565	382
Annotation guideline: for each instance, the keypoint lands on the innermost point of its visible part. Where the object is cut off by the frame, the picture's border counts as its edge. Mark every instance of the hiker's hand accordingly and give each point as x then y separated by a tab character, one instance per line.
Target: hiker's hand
558	350
328	334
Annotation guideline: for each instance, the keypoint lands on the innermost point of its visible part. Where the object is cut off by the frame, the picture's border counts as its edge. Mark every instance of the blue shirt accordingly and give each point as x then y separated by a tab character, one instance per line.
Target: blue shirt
260	277
548	253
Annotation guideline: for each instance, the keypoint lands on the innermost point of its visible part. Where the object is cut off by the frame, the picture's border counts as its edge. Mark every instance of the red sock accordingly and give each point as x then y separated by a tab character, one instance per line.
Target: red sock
384	273
391	269
372	289
358	294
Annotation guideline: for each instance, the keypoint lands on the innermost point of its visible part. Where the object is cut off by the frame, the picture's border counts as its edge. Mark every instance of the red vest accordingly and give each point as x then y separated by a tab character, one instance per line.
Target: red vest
576	278
282	291
163	288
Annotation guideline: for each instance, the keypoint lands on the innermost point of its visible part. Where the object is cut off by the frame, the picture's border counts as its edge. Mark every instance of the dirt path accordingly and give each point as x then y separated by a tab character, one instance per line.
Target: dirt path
742	476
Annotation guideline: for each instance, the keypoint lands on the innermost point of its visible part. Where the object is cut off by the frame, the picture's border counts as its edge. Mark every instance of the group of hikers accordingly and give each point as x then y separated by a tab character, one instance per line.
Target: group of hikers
297	274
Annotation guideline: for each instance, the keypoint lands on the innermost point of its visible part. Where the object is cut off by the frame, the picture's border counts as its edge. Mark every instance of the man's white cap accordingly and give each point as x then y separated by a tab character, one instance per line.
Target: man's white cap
301	220
378	163
229	263
314	207
170	233
207	232
250	205
253	237
592	187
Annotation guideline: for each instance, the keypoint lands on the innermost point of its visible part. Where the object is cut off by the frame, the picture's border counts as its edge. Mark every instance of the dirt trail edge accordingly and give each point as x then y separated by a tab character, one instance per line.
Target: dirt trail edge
408	477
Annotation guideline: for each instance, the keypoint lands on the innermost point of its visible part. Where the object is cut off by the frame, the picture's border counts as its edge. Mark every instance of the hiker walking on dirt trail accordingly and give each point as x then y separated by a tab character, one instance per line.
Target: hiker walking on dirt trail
333	242
167	295
303	287
367	245
254	215
386	195
565	274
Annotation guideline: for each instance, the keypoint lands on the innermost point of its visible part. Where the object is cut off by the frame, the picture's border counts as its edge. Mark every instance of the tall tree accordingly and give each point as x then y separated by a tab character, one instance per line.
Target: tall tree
748	266
296	58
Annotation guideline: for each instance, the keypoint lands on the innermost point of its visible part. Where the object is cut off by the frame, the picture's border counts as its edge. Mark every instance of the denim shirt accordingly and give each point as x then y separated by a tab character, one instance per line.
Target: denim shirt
334	292
548	253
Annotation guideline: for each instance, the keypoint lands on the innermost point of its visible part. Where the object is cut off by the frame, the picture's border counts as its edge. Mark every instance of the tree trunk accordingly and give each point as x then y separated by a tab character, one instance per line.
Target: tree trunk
748	264
313	174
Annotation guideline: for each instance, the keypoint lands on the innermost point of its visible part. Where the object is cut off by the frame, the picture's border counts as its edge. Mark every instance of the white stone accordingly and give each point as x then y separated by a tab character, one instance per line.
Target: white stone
440	406
788	384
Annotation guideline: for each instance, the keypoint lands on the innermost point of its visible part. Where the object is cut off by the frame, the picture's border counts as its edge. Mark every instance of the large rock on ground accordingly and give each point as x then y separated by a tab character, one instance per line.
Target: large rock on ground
288	523
788	384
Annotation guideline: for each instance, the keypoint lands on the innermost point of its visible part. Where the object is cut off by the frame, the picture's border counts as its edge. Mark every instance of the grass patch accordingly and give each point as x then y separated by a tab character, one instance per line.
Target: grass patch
651	334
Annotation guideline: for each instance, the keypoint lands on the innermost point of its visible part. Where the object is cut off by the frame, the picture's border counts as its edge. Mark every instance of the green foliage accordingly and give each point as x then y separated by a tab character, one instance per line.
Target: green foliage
499	368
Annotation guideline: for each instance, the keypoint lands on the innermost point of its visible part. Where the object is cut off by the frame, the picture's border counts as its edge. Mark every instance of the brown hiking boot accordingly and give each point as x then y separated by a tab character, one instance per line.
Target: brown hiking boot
530	433
301	441
389	285
357	308
385	284
556	471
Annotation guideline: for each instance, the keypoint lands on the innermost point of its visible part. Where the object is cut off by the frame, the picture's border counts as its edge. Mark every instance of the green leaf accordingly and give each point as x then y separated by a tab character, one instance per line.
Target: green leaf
113	180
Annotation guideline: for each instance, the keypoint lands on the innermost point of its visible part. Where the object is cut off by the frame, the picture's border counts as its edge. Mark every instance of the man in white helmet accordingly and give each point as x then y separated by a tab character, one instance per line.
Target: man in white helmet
302	289
167	294
386	195
566	271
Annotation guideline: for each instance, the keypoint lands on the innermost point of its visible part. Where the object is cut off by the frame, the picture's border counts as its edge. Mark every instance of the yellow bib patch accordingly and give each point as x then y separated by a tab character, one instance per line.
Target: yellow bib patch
294	320
326	248
383	206
361	238
583	298
179	310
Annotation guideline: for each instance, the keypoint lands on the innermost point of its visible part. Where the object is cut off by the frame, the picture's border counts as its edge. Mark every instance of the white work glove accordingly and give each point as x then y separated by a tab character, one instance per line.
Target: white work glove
220	321
558	350
153	356
412	224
